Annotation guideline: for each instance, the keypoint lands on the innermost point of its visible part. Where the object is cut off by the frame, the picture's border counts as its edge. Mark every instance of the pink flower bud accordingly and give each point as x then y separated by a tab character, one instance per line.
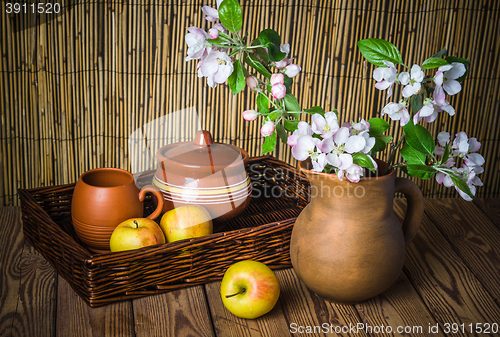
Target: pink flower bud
277	78
292	70
213	32
252	82
267	129
278	91
249	115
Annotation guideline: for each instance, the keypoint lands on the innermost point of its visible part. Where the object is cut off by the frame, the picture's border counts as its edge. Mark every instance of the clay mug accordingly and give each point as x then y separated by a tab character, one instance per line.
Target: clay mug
104	197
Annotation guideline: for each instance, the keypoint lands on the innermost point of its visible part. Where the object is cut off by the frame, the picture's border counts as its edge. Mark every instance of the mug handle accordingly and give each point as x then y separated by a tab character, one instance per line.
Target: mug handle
159	197
415	207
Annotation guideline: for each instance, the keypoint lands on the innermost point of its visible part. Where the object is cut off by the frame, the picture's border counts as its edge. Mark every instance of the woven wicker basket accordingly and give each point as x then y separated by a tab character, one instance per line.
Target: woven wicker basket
262	233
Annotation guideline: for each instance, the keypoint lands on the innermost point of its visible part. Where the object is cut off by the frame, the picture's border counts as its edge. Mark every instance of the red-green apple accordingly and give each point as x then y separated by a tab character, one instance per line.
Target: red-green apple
249	289
186	222
135	233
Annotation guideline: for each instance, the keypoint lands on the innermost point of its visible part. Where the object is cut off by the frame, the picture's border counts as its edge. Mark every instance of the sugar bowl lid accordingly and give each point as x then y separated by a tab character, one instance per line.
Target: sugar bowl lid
201	157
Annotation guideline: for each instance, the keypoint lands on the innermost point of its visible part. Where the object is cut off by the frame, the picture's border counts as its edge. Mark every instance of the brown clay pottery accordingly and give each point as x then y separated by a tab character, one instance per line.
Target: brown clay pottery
102	199
348	245
204	173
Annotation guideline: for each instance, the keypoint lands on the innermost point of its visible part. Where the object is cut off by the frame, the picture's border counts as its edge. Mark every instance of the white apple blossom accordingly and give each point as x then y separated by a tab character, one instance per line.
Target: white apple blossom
461	143
305	148
397	112
369	142
443	139
385	77
358	127
353	173
447	76
411	81
217	67
325	126
302	129
429	111
319	162
197	44
211	13
284	48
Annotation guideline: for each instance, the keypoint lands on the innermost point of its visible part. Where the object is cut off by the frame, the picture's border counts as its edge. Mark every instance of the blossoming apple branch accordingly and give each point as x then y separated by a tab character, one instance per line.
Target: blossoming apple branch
346	150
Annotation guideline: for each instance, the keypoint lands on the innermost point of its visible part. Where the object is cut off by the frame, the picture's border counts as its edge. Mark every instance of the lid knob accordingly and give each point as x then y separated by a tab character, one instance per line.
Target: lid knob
203	138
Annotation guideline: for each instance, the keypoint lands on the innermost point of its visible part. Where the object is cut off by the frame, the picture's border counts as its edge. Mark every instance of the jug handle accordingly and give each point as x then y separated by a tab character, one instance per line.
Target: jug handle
159	198
415	207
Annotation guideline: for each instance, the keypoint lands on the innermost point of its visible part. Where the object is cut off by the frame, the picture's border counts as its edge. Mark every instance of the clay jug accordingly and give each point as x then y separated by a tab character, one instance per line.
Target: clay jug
348	245
102	199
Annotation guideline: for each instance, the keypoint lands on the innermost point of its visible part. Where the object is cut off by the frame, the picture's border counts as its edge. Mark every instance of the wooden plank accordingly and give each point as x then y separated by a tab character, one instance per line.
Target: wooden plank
304	310
473	236
445	283
182	312
490	207
36	307
397	311
11	246
226	324
76	318
27	291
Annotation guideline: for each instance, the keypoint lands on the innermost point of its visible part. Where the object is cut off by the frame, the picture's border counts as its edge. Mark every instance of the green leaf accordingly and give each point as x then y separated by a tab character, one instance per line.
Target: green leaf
377	126
420	171
446	154
291	103
412	156
282	133
230	15
288	84
262	104
461	185
264	56
377	50
439	53
236	80
315	110
269	144
272	40
452	59
253	62
275	114
381	142
363	160
466	63
419	138
215	41
434	62
416	102
290	125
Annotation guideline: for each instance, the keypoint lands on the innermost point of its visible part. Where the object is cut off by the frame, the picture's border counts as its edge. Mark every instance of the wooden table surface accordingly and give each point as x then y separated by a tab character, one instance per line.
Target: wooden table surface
450	285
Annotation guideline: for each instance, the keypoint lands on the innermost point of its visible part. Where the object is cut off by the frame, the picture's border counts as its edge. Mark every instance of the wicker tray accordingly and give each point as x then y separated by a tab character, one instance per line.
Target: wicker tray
261	233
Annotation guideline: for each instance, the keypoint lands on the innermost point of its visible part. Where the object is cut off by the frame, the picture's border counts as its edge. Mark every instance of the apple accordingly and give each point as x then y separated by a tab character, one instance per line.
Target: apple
249	289
135	233
186	222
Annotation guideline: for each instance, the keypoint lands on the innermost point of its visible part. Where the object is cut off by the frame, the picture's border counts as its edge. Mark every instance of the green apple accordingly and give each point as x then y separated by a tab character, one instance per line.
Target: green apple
249	289
186	222
135	233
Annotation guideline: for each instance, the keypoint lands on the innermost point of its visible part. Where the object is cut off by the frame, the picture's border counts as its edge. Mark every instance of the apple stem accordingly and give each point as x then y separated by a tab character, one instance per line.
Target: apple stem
136	224
242	291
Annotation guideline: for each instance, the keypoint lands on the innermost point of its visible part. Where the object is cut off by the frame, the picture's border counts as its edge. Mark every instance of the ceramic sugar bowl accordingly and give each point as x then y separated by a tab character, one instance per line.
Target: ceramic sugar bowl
204	173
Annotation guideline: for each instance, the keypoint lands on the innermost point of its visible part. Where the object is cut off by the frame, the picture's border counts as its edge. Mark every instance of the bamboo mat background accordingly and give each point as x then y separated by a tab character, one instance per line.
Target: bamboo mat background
75	87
